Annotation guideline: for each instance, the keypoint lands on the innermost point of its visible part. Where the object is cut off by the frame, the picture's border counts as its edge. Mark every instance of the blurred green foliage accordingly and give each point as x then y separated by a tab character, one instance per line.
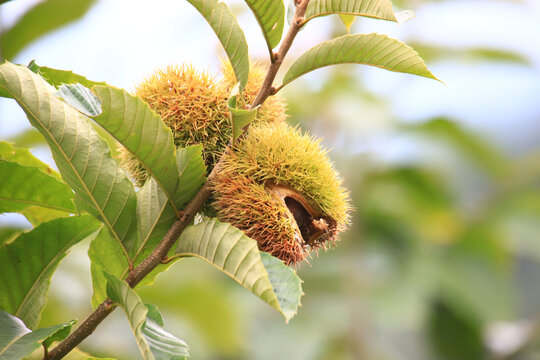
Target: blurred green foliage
43	18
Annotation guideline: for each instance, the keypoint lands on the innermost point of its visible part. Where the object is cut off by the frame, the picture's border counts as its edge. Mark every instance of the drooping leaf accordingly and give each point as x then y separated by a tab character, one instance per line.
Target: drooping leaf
230	34
270	15
17	341
81	98
28	263
368	49
191	170
131	121
147	324
240	118
23	186
41	19
58	77
237	255
377	9
83	158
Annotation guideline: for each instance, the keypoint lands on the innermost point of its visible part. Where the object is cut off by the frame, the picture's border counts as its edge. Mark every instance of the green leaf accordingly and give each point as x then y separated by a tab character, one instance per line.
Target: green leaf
17	341
105	255
24	157
155	216
131	121
8	234
23	186
41	19
230	34
58	77
368	49
285	283
81	98
191	170
240	118
83	158
59	335
37	214
237	255
147	324
27	182
29	137
377	9
28	263
270	15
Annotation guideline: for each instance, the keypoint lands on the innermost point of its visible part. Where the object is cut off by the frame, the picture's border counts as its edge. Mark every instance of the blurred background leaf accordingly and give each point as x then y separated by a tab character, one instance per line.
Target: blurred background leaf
46	16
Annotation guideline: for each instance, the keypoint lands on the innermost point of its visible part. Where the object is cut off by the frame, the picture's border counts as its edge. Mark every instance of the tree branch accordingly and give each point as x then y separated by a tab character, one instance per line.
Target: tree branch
161	250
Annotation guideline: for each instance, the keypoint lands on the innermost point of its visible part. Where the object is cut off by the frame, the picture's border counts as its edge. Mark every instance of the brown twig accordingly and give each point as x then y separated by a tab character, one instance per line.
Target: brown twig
160	252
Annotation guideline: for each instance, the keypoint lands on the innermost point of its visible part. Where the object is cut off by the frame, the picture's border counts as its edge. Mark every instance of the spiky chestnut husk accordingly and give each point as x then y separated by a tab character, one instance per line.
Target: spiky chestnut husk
280	188
194	106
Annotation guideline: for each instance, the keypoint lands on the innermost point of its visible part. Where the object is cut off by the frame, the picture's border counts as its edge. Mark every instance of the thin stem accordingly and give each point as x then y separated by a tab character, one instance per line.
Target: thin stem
161	250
